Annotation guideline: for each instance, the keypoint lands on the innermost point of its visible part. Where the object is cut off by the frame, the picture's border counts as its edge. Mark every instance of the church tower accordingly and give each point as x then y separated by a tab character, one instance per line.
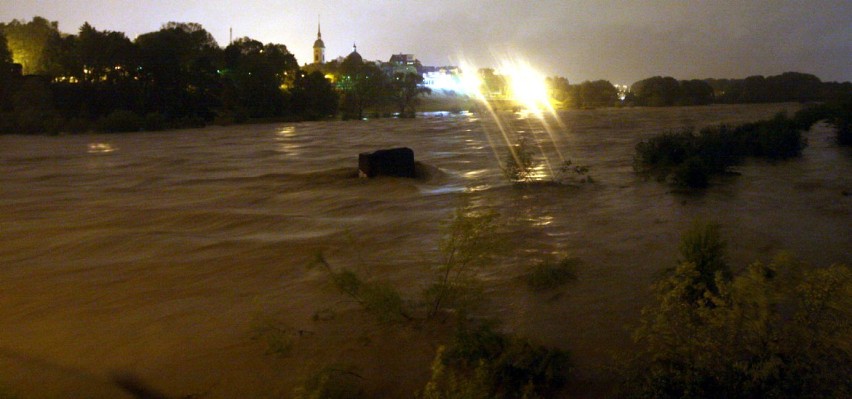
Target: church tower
319	47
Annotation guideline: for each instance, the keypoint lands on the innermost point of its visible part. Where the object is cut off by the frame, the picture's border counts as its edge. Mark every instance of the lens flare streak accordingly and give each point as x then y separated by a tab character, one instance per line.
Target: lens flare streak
527	90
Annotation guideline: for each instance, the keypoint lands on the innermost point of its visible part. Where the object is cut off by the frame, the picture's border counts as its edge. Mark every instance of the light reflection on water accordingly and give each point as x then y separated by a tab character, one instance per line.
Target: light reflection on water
101	148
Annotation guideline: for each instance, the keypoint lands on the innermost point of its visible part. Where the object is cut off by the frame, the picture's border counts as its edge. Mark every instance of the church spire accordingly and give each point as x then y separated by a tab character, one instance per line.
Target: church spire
319	46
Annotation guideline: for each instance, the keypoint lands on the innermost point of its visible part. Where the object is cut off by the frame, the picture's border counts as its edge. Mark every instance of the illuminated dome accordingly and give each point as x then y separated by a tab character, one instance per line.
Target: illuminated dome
319	44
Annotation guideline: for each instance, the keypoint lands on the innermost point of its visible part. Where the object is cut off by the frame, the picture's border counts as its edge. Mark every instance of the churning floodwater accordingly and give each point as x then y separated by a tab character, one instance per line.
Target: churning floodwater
155	256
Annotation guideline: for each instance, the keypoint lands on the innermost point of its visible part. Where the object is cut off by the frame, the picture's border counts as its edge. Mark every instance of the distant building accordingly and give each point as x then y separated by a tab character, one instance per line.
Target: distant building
354	57
444	80
319	47
403	63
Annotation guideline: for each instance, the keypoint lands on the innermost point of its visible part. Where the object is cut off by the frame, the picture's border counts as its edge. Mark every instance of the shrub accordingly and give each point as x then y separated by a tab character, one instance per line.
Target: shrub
279	340
663	152
569	172
331	383
519	162
702	246
76	125
551	274
690	160
778	138
154	121
120	121
779	330
693	172
806	117
470	243
497	365
381	300
842	120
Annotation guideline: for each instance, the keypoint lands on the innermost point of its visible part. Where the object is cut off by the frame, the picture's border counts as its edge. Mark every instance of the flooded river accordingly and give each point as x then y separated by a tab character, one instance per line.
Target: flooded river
159	256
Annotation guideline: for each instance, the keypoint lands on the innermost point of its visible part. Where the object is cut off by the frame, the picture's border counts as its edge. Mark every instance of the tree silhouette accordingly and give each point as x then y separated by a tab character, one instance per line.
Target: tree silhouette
314	96
33	44
405	92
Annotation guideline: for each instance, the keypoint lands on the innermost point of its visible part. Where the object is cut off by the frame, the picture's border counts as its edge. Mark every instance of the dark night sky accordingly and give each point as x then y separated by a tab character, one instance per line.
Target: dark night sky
622	41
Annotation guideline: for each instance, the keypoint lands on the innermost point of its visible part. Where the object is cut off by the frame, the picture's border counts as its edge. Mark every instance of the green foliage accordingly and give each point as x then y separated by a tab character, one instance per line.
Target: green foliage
405	90
364	85
589	94
470	243
663	152
450	383
779	330
331	383
841	118
379	299
568	173
485	363
657	91
279	340
33	44
703	247
5	53
314	96
519	162
121	121
693	172
551	274
599	93
690	159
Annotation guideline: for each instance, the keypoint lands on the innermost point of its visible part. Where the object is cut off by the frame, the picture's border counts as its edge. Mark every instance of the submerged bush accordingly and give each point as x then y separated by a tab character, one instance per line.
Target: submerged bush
551	274
690	159
779	330
379	299
120	121
485	363
331	383
842	120
519	162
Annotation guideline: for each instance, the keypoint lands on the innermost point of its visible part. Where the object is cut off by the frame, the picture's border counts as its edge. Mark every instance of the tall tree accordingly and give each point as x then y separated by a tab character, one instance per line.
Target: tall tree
178	67
405	90
314	96
104	56
363	84
657	91
5	74
599	93
258	74
33	44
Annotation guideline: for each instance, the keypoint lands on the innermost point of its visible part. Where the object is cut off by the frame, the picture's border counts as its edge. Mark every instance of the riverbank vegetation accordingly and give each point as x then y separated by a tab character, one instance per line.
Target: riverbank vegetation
480	360
713	329
770	330
690	159
178	76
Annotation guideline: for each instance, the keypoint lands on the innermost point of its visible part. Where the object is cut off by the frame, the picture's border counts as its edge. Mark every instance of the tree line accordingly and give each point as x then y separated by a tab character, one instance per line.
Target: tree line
659	91
177	76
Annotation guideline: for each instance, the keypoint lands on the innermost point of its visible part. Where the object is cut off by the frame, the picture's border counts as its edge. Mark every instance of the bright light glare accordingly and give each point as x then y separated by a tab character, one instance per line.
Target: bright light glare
527	86
470	81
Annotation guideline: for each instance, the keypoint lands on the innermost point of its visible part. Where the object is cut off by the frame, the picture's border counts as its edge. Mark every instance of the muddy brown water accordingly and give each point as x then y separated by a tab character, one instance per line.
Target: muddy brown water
158	257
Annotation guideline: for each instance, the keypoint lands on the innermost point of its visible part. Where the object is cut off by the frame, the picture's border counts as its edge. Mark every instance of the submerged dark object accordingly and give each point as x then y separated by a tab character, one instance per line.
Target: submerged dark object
397	162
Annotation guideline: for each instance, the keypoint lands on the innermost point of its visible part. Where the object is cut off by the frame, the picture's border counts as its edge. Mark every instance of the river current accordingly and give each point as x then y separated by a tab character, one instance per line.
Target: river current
157	257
